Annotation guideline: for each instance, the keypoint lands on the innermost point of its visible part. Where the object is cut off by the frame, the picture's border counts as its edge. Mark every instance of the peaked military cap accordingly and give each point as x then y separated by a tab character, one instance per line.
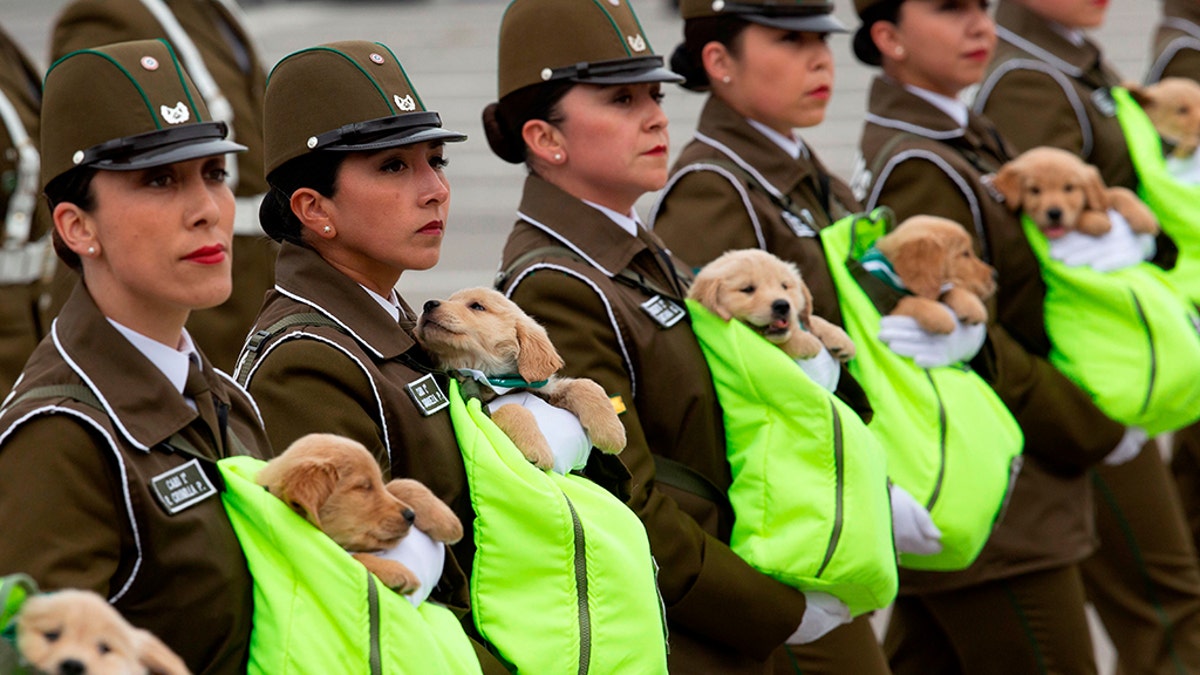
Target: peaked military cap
808	16
122	107
344	96
593	41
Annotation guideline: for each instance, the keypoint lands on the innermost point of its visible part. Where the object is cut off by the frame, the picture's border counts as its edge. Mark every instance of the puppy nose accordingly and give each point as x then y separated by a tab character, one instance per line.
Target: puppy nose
1054	214
430	305
409	516
72	667
780	307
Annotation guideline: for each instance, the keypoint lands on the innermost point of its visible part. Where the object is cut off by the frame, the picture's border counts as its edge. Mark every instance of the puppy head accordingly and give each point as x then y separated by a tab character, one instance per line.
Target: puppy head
74	631
336	485
1053	187
928	252
480	329
756	288
1173	106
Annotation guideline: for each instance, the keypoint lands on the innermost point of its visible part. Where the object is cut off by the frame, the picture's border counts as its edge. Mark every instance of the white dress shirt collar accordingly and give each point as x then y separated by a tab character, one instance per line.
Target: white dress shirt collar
792	145
391	304
954	108
628	222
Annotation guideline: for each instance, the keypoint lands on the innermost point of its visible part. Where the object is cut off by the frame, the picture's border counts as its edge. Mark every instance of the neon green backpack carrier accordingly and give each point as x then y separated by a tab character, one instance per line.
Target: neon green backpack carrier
317	610
1175	204
950	441
809	491
1128	338
563	580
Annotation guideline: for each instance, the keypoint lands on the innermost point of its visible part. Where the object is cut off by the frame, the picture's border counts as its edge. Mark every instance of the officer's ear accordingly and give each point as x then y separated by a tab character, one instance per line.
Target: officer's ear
544	141
883	34
718	62
311	208
76	228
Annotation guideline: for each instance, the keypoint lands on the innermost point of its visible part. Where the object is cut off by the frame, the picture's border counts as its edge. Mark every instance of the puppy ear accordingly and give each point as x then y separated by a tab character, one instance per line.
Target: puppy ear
538	359
1094	190
706	290
806	310
921	263
156	656
306	485
1007	182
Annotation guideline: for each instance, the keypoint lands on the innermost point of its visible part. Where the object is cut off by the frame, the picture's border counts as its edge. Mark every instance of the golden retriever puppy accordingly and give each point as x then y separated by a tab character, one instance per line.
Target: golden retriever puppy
480	329
335	484
768	295
1060	193
935	259
76	631
1173	106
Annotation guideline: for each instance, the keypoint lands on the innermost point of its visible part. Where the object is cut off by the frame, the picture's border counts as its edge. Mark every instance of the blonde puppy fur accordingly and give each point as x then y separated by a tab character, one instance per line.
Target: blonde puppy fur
76	631
1061	193
480	329
768	295
936	260
335	484
1173	106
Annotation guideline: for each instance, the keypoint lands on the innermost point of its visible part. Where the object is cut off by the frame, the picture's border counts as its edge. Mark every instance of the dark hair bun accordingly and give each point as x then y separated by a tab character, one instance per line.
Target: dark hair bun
682	62
864	46
507	143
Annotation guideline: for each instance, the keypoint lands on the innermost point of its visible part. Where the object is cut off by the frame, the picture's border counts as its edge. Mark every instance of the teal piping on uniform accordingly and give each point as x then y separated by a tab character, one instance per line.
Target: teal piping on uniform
1025	627
1131	540
106	57
182	81
617	28
404	73
513	381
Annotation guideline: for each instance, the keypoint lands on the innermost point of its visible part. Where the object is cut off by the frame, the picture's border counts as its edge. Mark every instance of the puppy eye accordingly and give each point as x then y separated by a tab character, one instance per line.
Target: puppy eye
1183	110
748	289
52	635
365	485
1068	188
104	648
477	307
1035	190
785	285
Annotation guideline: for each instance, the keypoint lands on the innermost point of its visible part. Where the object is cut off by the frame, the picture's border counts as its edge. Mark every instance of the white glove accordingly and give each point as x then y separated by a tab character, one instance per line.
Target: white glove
1118	249
424	556
912	526
930	350
1186	170
822	369
823	613
1129	447
568	440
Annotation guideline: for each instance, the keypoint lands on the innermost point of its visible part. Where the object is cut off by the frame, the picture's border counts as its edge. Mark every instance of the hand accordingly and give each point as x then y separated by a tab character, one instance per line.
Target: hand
912	525
823	613
822	369
1129	447
568	440
424	556
1118	249
931	350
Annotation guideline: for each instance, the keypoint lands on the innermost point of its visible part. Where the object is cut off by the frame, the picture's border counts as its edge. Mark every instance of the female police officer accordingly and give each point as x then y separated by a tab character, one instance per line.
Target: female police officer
579	105
108	443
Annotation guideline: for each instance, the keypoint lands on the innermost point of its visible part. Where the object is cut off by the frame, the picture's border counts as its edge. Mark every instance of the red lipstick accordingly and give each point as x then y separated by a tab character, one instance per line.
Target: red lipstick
207	255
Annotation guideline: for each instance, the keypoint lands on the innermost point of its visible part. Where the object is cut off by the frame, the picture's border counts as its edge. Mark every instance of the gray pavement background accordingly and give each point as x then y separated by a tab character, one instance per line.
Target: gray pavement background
448	48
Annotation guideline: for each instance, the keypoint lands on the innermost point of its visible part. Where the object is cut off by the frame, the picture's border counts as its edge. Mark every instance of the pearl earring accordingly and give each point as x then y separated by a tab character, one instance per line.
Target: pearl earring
327	229
727	79
899	52
91	250
558	156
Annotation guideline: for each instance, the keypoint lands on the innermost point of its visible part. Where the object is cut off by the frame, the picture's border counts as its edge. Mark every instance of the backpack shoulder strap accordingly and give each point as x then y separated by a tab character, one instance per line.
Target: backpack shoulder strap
252	351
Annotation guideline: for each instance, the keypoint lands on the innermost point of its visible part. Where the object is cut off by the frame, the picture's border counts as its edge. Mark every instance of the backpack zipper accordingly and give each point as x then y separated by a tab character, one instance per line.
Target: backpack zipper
937	486
581	589
840	469
1137	305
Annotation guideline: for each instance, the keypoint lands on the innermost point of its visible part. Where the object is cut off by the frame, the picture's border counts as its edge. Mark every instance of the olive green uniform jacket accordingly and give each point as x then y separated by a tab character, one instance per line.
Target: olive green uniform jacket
1040	89
922	162
1176	48
351	380
723	615
706	209
26	245
229	55
76	498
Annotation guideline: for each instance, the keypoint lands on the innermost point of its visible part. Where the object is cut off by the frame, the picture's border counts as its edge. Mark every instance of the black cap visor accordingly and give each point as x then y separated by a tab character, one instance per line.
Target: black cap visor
386	132
159	148
619	71
788	17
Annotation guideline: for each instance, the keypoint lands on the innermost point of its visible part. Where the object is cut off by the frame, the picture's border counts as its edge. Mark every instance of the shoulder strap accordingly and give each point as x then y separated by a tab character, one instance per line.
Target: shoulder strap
250	353
625	276
778	198
885	153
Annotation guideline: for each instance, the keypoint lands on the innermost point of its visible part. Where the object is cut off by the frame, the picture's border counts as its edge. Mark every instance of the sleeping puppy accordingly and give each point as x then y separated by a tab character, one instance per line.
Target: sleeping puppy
335	484
1173	106
935	260
1060	193
75	631
480	329
768	295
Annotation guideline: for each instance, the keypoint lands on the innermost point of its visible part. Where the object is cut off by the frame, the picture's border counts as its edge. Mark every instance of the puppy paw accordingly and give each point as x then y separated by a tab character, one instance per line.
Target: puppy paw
520	425
433	516
966	305
587	400
930	315
1139	216
837	343
394	575
801	344
1093	223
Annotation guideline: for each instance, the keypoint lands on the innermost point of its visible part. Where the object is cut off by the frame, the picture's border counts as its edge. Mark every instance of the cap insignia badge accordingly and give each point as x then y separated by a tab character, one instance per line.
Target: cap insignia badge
149	63
718	5
615	3
637	43
376	58
176	115
407	104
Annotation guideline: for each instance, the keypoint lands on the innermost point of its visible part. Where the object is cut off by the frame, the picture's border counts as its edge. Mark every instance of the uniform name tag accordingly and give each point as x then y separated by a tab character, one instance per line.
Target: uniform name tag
664	312
1104	102
428	396
182	487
